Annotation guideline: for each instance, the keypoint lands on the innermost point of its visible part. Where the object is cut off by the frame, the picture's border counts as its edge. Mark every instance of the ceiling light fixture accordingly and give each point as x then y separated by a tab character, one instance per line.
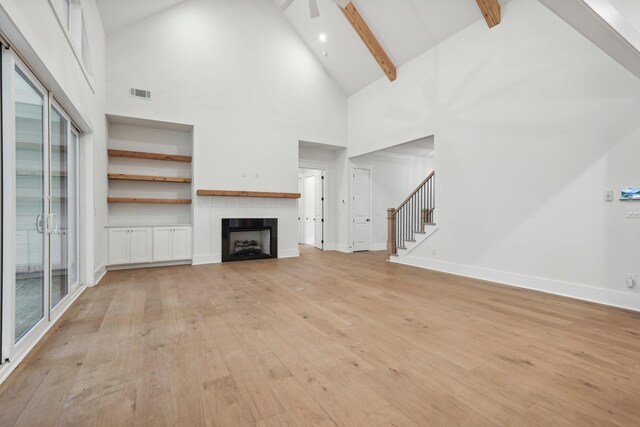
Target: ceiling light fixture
322	37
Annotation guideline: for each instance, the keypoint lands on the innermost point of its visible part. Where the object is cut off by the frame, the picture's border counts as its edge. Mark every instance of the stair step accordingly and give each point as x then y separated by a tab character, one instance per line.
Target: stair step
419	232
429	223
411	241
401	247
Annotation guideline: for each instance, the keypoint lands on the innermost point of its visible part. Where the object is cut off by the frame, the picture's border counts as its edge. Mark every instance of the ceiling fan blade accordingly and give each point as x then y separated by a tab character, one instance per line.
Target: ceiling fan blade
285	4
313	9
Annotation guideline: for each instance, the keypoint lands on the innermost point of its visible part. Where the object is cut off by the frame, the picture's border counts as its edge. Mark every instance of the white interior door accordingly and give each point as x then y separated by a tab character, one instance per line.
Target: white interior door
318	231
309	209
301	211
361	209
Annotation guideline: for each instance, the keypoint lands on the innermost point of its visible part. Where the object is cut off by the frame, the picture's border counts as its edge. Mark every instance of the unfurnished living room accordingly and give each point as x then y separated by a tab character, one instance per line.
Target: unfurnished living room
320	213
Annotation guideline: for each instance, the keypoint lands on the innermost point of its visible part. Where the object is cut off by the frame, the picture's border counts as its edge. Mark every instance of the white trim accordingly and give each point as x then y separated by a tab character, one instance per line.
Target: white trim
99	274
290	253
147	265
207	259
378	246
5	370
604	296
76	54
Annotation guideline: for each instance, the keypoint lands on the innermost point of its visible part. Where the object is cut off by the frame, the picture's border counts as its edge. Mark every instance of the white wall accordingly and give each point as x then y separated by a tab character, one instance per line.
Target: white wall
35	33
533	124
393	178
251	88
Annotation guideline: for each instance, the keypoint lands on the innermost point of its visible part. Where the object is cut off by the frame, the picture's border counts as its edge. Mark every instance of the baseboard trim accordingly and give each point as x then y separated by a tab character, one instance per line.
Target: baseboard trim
290	253
217	258
148	265
98	275
344	248
16	360
626	300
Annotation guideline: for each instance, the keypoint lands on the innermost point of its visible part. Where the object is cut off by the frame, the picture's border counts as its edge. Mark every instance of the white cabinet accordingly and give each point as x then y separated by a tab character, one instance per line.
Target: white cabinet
171	243
131	245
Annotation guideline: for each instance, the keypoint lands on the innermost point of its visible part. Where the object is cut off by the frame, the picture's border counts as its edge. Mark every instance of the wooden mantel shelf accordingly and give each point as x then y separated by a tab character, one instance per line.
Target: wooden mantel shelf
225	193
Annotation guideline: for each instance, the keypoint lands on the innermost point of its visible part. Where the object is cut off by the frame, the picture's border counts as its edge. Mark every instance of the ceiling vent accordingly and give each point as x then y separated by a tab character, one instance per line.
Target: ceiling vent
140	93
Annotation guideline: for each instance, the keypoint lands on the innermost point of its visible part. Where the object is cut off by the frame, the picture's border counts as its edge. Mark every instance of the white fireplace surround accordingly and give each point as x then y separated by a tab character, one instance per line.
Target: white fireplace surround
209	211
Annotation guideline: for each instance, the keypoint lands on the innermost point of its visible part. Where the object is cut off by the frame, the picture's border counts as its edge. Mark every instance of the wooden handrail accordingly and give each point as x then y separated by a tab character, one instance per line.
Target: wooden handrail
415	191
411	216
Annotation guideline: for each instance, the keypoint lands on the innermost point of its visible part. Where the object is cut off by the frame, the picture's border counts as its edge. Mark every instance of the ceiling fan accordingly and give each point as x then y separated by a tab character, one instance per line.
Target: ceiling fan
313	6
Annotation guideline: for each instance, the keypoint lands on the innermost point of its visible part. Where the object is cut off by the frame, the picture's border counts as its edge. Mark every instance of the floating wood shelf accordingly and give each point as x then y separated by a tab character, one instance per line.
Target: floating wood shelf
149	156
225	193
126	177
153	201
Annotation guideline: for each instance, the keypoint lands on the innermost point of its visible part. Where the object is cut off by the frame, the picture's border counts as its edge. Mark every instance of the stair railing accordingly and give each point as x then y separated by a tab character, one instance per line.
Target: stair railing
411	216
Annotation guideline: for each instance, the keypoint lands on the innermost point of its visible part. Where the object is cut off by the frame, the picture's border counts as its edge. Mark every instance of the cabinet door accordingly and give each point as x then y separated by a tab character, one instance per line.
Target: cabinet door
181	244
162	244
141	247
118	246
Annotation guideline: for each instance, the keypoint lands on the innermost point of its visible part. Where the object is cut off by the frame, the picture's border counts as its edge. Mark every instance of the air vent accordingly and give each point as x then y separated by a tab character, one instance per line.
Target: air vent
140	93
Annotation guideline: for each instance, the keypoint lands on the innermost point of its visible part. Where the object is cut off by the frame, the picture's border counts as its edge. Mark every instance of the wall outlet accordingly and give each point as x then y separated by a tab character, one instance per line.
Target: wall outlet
631	280
633	213
608	196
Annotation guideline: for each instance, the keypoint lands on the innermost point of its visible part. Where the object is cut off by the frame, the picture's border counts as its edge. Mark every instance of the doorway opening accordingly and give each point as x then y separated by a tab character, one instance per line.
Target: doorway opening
311	207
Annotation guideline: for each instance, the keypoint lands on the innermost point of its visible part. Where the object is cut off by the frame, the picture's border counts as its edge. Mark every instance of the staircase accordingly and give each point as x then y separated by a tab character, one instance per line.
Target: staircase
413	221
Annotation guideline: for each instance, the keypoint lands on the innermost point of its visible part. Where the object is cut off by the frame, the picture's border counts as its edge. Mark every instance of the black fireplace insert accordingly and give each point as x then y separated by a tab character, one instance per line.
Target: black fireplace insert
245	239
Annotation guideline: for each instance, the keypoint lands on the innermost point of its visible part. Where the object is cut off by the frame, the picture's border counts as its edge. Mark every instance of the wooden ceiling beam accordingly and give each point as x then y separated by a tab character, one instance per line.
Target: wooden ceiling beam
361	27
491	11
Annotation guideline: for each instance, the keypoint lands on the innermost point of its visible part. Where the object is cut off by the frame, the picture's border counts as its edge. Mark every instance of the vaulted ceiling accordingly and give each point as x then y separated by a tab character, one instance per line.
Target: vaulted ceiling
404	28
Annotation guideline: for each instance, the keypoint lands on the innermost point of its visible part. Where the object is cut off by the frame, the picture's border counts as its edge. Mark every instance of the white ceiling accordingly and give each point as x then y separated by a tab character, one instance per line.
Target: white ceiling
404	28
116	14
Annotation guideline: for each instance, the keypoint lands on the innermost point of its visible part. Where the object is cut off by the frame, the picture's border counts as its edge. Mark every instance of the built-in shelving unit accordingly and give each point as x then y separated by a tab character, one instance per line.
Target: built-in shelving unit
263	194
150	172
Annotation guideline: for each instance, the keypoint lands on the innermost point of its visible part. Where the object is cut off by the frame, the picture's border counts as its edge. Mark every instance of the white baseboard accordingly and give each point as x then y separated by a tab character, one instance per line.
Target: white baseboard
344	248
99	274
16	359
207	259
148	265
378	246
289	253
604	296
217	258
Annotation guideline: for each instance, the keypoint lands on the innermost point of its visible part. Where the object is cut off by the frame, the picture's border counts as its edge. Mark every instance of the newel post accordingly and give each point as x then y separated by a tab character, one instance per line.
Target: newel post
391	232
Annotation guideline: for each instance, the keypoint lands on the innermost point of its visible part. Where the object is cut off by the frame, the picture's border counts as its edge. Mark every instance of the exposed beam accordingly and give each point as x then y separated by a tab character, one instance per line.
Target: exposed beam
361	27
491	11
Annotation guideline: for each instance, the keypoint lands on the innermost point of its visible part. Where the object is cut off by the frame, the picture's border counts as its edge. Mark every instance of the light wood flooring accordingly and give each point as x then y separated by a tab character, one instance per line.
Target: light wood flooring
326	339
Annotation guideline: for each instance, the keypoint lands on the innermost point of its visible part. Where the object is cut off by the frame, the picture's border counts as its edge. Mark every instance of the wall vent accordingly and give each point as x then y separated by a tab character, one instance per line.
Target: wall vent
140	93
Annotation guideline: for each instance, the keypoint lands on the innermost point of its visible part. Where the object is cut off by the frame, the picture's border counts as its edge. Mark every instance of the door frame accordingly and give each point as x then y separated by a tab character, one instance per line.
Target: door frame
352	169
324	171
11	349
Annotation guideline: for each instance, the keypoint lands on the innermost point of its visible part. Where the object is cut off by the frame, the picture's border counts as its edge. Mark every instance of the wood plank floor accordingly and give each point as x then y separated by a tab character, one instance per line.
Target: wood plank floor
326	339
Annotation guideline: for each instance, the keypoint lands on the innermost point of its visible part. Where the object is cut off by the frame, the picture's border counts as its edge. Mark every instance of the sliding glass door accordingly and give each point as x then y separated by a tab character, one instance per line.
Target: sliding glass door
30	204
41	213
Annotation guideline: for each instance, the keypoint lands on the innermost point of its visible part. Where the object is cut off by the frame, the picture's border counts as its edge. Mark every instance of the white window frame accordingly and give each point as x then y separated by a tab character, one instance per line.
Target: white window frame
77	36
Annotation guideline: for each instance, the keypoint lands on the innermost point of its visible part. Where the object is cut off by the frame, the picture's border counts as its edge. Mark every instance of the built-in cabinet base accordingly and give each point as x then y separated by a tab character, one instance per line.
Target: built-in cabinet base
133	246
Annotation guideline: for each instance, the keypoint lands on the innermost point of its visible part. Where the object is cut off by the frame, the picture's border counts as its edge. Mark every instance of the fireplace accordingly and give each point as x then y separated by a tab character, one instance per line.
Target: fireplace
245	239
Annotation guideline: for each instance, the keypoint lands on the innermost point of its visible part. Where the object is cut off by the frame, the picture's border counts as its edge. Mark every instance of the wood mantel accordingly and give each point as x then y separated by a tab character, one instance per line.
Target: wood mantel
264	194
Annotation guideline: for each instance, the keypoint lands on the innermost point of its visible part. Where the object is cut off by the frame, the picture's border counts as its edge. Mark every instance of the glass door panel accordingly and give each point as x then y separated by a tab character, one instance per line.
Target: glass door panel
73	214
58	219
30	205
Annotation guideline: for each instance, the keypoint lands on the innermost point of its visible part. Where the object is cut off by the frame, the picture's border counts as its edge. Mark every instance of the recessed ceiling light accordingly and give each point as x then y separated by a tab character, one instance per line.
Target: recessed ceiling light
322	37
